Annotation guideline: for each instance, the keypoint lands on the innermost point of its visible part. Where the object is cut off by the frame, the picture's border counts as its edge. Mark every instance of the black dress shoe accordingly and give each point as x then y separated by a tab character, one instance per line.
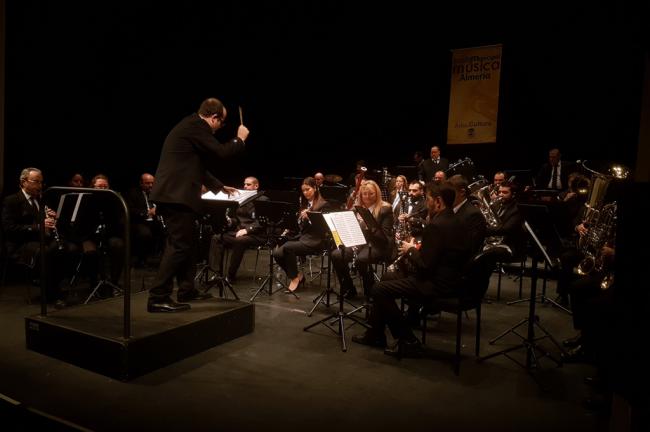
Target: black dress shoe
60	304
193	295
573	342
167	306
408	349
378	341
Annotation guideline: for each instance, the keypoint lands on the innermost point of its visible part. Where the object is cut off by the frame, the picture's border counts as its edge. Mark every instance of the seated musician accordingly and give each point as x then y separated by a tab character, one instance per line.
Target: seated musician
244	231
102	234
21	228
509	221
147	229
444	251
380	244
470	215
309	240
410	218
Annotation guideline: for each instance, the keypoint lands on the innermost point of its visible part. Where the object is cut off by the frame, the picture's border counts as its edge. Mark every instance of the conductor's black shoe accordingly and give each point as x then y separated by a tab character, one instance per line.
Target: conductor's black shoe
573	342
167	306
193	295
408	349
60	304
370	339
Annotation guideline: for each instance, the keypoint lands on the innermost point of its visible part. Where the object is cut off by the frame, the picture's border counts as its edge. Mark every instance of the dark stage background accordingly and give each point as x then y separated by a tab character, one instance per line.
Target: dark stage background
321	83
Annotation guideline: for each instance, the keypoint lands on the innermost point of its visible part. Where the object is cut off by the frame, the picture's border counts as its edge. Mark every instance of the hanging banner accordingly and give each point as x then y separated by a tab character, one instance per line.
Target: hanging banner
474	95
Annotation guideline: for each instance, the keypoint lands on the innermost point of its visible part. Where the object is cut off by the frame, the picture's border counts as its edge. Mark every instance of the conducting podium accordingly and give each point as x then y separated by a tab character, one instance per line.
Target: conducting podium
218	209
345	231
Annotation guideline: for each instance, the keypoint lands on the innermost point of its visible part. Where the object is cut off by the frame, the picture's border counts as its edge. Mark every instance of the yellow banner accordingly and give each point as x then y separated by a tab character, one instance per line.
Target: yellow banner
474	95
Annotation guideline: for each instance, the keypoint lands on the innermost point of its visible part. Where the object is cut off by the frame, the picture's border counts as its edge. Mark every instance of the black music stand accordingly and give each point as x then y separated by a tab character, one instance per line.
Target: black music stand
215	217
538	216
80	217
338	233
274	216
529	342
324	296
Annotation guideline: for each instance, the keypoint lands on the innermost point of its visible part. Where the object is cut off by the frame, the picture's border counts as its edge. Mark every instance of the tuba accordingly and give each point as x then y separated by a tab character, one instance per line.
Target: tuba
598	189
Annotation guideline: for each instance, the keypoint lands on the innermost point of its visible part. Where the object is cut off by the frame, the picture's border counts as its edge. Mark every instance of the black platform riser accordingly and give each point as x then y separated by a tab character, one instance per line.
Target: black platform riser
125	360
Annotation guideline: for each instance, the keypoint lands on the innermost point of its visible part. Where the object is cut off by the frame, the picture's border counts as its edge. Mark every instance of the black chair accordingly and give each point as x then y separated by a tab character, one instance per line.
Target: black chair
475	283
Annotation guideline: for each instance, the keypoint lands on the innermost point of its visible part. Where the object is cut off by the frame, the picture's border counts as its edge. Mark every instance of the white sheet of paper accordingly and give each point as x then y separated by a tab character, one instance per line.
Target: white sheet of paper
347	228
240	197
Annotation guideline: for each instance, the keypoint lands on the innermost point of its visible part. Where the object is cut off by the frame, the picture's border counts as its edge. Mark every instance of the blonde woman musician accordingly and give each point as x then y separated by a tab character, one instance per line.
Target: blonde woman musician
380	244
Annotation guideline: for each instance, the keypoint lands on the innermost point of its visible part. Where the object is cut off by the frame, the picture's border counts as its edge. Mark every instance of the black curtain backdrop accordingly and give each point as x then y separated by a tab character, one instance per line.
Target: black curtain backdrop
96	86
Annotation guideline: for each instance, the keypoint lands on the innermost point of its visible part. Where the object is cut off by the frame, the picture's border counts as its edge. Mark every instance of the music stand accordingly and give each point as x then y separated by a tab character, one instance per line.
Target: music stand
324	296
216	207
529	343
274	215
540	217
345	232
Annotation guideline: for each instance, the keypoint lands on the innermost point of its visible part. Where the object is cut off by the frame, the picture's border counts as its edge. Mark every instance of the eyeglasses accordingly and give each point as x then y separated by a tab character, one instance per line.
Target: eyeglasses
35	181
221	120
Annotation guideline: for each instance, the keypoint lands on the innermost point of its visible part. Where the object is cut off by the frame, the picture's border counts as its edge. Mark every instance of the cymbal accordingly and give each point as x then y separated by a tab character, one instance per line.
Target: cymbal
333	178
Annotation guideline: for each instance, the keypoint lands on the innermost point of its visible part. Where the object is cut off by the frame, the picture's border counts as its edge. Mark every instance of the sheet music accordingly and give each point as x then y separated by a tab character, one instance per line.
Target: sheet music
241	197
346	228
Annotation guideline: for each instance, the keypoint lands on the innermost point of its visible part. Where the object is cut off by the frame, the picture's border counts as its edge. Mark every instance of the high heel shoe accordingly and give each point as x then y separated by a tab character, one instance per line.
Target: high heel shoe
295	282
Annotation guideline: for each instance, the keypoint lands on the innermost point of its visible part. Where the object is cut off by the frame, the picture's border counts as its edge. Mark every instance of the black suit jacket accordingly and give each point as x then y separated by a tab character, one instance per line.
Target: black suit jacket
473	220
444	252
138	210
544	175
427	168
245	217
188	157
510	226
19	221
382	241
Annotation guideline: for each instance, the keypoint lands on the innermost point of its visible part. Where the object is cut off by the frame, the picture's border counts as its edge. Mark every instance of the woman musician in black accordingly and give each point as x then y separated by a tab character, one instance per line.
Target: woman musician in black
380	245
309	241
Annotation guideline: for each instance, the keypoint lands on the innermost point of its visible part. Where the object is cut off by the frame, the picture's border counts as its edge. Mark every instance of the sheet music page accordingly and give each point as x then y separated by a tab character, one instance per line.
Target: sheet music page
347	228
240	197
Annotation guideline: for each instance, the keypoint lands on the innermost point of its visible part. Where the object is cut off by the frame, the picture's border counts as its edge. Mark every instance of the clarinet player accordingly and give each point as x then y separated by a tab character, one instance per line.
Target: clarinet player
186	162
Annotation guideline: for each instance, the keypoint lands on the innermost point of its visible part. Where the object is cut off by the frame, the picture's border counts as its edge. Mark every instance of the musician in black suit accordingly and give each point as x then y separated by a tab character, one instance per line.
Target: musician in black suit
187	159
444	251
555	173
380	242
509	220
427	169
146	226
470	216
244	231
21	228
310	240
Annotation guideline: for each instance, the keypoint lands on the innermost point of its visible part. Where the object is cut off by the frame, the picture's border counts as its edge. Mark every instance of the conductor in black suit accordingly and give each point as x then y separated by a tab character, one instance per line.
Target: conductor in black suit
428	167
186	162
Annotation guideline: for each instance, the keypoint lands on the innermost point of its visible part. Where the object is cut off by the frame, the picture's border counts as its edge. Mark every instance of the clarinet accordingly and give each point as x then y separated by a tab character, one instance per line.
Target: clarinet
55	232
150	206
